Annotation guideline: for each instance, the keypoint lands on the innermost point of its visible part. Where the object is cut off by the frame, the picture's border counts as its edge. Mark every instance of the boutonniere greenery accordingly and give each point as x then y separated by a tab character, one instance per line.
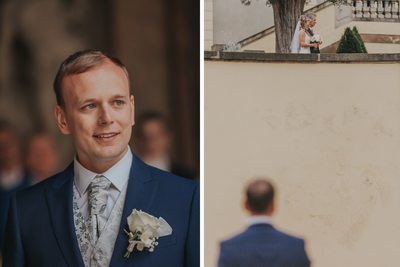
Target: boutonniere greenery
144	231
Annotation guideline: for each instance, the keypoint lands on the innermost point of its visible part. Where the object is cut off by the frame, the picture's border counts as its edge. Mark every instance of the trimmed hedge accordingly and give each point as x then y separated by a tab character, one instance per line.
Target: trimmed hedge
351	42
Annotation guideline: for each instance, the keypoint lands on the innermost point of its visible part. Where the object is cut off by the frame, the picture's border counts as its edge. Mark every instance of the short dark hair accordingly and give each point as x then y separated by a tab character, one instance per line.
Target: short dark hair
151	116
81	62
260	194
5	125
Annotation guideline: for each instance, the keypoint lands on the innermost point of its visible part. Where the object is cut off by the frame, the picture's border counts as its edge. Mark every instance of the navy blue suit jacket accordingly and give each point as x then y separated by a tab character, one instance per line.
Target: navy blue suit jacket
5	196
41	230
261	245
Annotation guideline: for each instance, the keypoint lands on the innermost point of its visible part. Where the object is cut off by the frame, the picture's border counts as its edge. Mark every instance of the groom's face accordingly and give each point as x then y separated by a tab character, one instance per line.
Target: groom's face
99	114
313	22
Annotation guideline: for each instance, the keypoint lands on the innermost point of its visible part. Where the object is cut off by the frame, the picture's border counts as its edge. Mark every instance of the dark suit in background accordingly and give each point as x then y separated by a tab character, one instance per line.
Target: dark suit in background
261	245
5	196
313	50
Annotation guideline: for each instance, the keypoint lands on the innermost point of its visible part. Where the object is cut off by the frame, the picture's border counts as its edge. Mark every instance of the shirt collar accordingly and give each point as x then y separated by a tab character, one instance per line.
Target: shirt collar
12	178
258	219
118	174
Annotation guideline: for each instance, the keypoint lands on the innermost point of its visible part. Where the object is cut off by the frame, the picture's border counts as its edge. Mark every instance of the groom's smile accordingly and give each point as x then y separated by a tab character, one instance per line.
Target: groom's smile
99	114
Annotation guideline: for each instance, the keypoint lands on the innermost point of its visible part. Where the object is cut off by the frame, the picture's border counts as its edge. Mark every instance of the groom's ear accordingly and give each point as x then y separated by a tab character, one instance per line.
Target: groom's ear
271	208
61	119
246	205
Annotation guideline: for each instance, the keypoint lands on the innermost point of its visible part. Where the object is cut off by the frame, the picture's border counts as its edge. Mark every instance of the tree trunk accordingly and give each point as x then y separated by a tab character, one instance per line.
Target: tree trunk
286	15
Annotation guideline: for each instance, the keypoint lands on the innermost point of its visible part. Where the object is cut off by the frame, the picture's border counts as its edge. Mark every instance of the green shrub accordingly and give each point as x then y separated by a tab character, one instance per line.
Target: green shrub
349	43
355	31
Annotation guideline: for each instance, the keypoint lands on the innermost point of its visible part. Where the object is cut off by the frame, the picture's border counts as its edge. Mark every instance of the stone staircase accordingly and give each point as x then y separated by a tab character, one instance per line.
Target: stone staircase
378	23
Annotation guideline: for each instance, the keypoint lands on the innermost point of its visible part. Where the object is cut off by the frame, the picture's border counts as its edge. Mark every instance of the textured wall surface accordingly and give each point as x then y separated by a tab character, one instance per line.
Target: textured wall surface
208	24
234	21
328	135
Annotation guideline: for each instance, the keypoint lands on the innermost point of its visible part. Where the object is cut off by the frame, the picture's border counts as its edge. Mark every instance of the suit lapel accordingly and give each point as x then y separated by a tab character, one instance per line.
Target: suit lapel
140	193
59	200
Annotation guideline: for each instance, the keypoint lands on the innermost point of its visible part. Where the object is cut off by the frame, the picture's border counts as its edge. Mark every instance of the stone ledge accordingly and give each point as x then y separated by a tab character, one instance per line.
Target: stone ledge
377	19
300	58
210	54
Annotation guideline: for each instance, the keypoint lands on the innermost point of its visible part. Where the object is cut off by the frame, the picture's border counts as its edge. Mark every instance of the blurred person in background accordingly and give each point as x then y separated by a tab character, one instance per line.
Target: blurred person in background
41	156
261	244
12	172
154	144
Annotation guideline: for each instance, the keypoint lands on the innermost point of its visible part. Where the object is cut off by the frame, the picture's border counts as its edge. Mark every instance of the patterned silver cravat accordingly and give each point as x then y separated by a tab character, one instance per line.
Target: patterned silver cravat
97	194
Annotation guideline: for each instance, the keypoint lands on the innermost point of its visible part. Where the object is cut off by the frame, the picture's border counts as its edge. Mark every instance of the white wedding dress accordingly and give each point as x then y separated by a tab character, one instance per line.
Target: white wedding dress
307	40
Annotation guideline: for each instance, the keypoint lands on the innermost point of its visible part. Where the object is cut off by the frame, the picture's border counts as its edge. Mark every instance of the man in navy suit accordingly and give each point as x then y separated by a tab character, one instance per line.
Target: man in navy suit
13	177
261	245
79	217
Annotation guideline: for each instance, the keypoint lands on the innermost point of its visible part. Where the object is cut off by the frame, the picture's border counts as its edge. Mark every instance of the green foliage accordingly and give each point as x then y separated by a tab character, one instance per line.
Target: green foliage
357	35
349	43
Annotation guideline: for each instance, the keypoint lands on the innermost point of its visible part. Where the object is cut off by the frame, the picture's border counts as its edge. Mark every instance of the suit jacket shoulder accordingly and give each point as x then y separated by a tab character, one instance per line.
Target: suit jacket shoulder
263	245
171	181
34	194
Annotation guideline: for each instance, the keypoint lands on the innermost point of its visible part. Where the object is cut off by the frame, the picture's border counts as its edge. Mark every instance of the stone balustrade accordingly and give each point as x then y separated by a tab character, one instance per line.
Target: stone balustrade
375	9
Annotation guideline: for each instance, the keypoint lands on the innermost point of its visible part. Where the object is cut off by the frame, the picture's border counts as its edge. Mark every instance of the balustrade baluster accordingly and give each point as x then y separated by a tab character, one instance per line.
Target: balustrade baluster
380	9
366	9
388	9
395	9
359	7
353	8
374	8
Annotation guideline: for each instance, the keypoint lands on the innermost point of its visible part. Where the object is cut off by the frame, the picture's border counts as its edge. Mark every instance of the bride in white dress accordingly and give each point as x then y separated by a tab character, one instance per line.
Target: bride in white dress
301	41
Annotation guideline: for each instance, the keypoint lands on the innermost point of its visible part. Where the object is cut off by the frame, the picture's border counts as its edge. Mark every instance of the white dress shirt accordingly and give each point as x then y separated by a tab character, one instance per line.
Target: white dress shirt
163	163
259	219
118	175
10	179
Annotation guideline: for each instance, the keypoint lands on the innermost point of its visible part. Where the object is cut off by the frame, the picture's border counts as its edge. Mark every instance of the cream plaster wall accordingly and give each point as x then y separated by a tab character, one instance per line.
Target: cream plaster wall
328	135
208	24
330	33
234	21
378	48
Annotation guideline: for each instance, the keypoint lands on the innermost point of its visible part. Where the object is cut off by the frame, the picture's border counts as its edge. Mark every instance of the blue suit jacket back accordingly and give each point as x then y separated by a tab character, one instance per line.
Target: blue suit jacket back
41	230
261	245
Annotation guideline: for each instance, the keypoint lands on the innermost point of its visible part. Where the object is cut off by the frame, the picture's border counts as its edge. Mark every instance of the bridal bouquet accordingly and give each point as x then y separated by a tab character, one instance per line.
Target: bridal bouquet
316	38
144	231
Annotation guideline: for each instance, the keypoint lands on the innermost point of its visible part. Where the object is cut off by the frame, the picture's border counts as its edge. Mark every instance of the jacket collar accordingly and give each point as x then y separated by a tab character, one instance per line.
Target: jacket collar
59	200
141	191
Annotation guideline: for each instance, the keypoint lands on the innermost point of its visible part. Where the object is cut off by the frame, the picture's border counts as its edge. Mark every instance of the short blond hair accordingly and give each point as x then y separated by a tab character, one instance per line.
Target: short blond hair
81	62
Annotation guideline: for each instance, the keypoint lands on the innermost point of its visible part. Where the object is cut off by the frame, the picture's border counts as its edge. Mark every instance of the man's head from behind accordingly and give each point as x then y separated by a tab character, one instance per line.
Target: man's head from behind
95	106
260	197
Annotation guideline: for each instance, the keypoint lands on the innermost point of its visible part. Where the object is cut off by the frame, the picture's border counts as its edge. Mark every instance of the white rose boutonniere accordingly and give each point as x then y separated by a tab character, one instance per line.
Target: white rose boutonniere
144	230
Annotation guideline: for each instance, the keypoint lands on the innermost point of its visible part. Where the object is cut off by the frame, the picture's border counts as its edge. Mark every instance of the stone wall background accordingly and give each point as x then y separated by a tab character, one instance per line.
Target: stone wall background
328	136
